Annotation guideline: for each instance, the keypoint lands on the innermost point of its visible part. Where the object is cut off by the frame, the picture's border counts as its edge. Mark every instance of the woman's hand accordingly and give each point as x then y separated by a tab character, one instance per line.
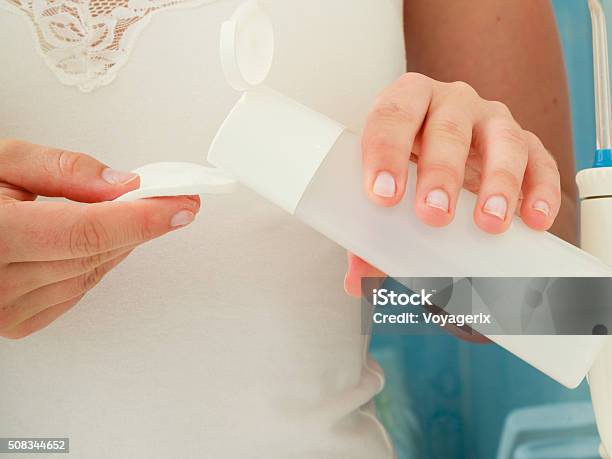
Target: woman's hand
52	253
457	140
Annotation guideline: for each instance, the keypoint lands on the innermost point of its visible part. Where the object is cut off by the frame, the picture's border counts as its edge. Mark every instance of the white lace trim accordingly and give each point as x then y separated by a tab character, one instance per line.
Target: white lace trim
86	42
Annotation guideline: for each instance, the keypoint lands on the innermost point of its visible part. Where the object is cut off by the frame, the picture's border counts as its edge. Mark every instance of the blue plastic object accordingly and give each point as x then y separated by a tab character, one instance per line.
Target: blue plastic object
603	158
553	431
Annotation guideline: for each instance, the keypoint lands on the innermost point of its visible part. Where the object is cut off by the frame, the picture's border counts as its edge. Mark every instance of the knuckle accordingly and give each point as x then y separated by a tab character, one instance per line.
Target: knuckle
532	139
88	281
453	176
143	227
88	236
463	88
450	130
499	109
513	136
98	274
380	146
393	112
539	152
414	79
507	179
145	231
64	162
90	262
540	157
138	225
546	162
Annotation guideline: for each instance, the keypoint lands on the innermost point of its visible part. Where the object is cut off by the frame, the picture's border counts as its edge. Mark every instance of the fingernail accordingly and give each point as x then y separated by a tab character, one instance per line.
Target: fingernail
384	185
115	177
496	206
438	199
195	200
542	206
182	218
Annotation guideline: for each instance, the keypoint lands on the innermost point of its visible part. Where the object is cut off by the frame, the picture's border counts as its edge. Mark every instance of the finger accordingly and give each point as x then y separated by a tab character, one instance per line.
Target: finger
445	147
389	136
358	269
40	320
28	276
46	231
55	172
541	186
503	147
38	300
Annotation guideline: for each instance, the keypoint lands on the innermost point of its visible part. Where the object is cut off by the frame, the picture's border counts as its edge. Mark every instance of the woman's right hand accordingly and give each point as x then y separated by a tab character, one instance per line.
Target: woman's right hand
52	253
458	140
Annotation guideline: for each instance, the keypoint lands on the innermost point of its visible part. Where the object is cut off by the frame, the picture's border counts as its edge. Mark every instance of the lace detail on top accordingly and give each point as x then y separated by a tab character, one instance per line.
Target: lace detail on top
85	42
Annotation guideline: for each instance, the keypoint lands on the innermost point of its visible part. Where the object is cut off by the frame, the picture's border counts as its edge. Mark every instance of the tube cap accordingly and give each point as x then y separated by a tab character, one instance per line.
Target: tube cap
247	46
269	142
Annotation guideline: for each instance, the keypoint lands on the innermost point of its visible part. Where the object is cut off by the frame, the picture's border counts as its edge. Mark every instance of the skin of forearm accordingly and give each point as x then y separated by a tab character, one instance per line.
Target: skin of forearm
508	50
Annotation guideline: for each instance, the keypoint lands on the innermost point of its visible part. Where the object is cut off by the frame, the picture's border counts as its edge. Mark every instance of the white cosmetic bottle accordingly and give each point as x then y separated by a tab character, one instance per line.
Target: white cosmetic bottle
310	166
595	186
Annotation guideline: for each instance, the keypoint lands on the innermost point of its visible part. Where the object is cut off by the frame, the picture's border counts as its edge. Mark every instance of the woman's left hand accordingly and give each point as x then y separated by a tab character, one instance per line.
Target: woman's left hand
457	139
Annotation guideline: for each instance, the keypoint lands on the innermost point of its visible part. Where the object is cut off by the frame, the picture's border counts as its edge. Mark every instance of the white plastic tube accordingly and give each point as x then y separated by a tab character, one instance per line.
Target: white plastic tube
311	166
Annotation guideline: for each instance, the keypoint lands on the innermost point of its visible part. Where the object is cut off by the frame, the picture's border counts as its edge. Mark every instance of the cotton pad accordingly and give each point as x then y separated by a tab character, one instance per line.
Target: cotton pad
178	179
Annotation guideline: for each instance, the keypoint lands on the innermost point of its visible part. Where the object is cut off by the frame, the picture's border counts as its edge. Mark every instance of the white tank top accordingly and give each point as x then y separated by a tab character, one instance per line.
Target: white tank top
232	338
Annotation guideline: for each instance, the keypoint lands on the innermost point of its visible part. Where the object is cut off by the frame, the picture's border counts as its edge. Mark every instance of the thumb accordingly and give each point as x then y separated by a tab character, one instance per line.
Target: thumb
58	173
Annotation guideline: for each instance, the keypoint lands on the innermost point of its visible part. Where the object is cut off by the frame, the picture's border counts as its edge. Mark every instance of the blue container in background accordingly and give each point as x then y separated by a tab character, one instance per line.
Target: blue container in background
448	399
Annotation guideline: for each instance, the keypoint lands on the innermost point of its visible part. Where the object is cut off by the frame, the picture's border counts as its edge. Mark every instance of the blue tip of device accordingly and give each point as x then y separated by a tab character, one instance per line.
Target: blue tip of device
603	158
